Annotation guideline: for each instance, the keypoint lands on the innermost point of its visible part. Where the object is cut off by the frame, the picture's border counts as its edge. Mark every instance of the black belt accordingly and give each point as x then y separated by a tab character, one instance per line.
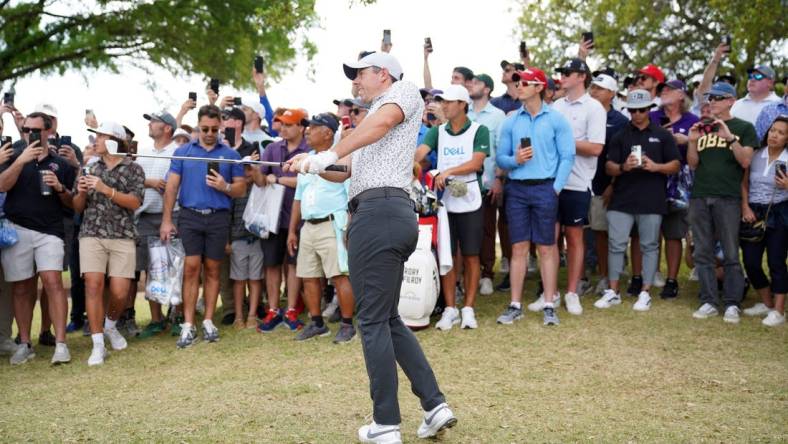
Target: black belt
319	220
207	211
533	181
376	193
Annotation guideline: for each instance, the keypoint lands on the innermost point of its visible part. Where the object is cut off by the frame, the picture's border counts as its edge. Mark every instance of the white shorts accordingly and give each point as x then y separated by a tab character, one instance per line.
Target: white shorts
35	252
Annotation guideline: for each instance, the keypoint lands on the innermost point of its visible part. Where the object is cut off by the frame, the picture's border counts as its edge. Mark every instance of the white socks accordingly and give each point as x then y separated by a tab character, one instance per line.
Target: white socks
109	323
98	339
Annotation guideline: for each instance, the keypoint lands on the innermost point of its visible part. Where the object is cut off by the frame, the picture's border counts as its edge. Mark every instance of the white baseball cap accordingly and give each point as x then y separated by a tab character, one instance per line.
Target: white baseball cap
605	81
113	129
46	108
181	132
254	103
378	59
454	92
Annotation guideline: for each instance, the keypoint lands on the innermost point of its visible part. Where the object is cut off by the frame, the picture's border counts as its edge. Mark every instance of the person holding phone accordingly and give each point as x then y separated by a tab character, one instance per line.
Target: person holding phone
38	220
205	198
765	190
536	148
161	128
640	158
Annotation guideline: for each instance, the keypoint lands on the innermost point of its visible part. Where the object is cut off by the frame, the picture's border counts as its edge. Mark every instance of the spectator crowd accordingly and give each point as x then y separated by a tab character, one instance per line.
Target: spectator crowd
596	171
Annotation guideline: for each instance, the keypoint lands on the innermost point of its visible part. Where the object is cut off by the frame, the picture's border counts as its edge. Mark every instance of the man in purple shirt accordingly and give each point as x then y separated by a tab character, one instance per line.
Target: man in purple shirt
275	247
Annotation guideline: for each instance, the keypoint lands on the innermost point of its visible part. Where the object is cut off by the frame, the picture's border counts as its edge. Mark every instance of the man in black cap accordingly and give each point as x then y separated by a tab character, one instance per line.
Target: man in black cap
508	101
343	107
462	76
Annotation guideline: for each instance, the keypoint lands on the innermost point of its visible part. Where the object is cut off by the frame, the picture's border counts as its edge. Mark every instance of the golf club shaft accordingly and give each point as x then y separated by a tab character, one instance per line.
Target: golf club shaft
338	168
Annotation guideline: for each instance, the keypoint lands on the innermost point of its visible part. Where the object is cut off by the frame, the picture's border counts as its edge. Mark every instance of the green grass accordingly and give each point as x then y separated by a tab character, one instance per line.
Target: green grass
607	376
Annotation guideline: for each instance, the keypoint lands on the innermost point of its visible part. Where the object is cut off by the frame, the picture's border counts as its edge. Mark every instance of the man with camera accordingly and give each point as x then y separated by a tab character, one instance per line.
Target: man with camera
37	182
640	157
206	193
719	151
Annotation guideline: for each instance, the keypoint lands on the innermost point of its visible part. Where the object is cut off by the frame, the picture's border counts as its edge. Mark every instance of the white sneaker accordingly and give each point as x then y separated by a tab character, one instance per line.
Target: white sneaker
732	315
538	305
379	434
331	307
97	356
705	311
532	269
436	421
659	280
61	356
116	339
449	317
759	309
643	303
773	319
468	318
7	347
601	286
486	286
23	353
693	276
572	302
504	265
608	299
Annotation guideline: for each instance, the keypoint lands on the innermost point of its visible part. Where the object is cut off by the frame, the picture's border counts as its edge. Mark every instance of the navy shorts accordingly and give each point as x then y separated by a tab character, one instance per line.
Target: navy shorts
204	234
531	211
573	207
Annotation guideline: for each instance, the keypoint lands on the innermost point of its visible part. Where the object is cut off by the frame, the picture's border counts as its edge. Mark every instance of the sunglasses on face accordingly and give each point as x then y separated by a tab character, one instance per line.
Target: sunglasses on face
521	83
206	130
756	76
642	77
717	98
26	129
637	110
356	111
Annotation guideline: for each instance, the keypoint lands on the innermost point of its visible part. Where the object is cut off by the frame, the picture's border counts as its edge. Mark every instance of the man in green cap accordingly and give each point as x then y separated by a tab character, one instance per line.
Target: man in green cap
484	113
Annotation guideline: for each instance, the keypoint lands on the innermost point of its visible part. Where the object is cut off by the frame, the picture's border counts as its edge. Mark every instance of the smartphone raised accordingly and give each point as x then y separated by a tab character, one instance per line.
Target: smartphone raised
229	136
782	168
523	48
193	96
8	98
35	136
589	37
345	121
214	85
259	63
213	166
387	36
525	142
237	101
6	140
726	40
637	150
428	43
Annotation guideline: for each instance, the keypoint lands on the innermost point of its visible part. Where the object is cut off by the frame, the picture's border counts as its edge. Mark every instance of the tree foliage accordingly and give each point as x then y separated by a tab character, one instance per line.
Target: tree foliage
679	36
211	37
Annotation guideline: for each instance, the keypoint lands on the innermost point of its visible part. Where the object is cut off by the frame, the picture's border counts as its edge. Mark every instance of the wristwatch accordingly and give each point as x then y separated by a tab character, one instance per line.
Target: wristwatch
228	188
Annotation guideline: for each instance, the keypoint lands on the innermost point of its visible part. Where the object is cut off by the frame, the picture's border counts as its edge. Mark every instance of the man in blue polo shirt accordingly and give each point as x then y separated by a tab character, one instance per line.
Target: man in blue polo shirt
204	222
537	148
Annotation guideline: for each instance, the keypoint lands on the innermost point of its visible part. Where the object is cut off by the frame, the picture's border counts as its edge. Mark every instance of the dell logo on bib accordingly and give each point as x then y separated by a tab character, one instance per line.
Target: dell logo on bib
453	151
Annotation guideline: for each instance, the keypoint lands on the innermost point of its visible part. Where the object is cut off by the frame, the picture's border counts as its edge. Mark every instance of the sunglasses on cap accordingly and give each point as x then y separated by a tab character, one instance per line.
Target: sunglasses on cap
716	98
756	76
637	110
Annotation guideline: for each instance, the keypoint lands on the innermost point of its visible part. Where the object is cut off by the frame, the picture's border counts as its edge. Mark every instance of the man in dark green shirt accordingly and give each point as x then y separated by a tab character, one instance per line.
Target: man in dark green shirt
719	151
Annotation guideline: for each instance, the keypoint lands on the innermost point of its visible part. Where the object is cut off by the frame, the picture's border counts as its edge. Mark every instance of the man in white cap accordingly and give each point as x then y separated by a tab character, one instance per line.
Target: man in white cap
462	146
37	184
381	236
640	158
760	93
603	88
253	131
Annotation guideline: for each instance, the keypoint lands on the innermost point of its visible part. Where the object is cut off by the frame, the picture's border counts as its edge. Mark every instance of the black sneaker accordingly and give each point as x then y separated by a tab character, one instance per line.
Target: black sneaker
635	285
47	339
228	319
504	285
670	290
539	288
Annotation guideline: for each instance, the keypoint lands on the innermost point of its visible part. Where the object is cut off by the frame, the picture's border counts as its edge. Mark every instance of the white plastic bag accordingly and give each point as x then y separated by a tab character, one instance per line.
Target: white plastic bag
261	215
165	271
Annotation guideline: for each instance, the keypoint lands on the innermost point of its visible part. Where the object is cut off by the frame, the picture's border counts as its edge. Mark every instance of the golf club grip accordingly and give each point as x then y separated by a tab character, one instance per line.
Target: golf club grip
337	168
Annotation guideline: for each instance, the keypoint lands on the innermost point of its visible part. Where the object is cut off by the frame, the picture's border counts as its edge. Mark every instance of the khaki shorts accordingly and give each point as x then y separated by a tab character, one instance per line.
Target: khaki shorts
597	215
246	261
113	257
317	251
34	252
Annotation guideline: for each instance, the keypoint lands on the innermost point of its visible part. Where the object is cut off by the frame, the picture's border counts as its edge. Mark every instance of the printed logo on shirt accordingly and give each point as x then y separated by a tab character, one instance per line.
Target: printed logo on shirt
653	140
712	140
453	151
54	167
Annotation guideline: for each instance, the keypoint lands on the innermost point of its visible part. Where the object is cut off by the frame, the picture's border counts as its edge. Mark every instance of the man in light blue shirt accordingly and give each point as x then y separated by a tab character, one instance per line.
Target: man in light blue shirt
321	252
485	113
537	148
